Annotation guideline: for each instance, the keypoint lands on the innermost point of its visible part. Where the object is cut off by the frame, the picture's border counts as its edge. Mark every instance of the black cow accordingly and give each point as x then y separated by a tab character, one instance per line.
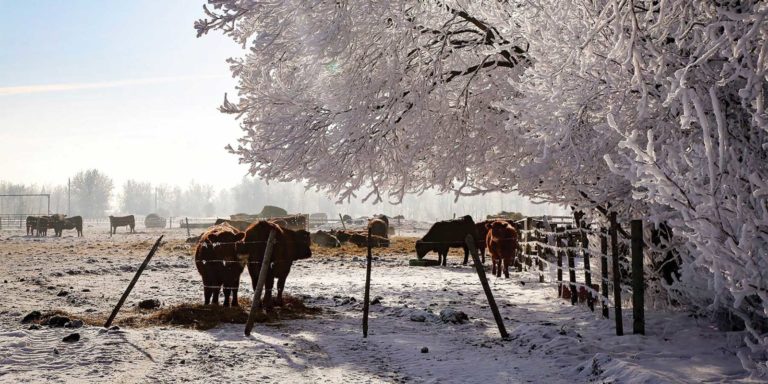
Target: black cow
447	234
121	221
74	222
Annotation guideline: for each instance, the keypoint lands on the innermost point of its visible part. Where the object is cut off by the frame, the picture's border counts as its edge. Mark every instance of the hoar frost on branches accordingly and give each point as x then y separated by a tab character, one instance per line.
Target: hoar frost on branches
652	108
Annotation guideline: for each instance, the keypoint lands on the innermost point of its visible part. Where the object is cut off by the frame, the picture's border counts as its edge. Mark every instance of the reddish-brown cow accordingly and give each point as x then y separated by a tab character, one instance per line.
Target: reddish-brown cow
502	244
290	246
219	264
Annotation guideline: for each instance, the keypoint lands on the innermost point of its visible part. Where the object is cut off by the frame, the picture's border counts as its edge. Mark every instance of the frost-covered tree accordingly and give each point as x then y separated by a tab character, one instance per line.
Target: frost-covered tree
655	109
382	95
91	191
137	197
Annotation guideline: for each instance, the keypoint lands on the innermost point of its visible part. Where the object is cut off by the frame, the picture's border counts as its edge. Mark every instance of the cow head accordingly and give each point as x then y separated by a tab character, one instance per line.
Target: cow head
302	244
500	229
421	249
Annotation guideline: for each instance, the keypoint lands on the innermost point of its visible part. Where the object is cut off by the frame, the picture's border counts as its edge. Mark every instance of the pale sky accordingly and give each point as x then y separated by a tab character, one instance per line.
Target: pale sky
124	87
121	86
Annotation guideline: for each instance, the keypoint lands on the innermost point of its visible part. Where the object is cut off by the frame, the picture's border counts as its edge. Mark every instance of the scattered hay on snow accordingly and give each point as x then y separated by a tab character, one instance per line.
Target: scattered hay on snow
196	316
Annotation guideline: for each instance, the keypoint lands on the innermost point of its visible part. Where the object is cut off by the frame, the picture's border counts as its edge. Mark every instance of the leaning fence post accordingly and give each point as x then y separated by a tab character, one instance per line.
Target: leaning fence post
133	282
616	274
470	241
604	269
367	296
188	235
343	225
263	271
638	291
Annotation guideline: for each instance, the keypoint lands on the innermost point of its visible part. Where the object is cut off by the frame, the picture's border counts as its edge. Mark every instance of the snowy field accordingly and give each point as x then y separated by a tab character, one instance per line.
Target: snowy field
551	341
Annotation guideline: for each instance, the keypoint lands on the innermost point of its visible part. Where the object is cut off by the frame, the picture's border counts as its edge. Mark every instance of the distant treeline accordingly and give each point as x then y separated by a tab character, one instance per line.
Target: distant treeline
94	194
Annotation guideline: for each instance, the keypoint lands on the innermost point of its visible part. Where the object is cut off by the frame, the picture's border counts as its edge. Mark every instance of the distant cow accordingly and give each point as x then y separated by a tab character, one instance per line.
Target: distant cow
219	264
379	227
325	239
447	234
74	222
502	243
31	224
290	246
383	218
361	240
241	225
294	222
42	225
121	221
482	232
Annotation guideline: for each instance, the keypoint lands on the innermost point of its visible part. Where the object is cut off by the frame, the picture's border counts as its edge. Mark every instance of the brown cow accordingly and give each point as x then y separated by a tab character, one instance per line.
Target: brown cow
325	239
361	240
447	234
502	244
239	224
290	246
74	222
121	221
219	264
379	227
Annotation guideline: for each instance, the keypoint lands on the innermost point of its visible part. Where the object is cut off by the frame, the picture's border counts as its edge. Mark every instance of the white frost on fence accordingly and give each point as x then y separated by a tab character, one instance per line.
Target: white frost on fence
656	108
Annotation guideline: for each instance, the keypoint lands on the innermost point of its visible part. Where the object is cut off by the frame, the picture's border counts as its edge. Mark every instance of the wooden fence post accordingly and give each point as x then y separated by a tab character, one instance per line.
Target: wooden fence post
528	248
604	268
263	272
638	289
343	225
367	297
188	235
616	274
585	258
470	241
540	255
572	268
559	255
133	282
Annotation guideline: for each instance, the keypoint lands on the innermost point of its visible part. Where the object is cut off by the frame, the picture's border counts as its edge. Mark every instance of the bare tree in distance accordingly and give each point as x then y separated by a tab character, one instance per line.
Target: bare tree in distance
137	198
91	191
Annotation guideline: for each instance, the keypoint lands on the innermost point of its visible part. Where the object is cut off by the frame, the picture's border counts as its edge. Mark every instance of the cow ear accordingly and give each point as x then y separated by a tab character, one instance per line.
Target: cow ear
488	225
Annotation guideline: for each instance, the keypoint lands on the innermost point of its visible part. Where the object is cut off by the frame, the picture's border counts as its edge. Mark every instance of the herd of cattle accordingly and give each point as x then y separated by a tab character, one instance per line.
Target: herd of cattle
225	249
39	225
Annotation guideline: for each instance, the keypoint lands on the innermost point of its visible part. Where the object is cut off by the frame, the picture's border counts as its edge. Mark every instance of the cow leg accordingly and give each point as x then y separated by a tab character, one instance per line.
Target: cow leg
445	258
207	295
227	291
234	302
215	293
267	302
280	287
466	255
493	267
482	254
507	261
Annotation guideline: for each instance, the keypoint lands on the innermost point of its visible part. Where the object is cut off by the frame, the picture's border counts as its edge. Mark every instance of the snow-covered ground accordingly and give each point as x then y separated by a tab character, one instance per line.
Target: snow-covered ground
551	341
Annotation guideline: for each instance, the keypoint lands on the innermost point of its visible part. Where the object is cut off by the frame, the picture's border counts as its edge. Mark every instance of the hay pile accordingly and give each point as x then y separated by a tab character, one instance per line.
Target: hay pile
195	316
